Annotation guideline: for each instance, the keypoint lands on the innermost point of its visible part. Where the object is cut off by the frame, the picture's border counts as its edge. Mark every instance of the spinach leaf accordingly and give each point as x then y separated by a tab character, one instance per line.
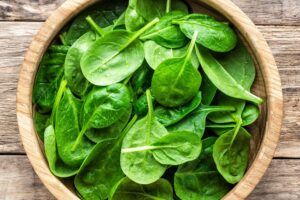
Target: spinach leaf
208	90
128	190
133	20
172	149
63	49
67	129
111	132
40	123
46	84
240	66
104	15
103	107
176	148
141	105
176	81
231	154
165	33
101	170
199	179
156	54
222	79
250	114
56	165
214	35
196	121
169	116
141	166
149	11
141	79
77	82
114	57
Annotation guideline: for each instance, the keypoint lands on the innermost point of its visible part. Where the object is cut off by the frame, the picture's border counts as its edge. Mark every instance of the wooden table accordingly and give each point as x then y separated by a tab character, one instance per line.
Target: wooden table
278	20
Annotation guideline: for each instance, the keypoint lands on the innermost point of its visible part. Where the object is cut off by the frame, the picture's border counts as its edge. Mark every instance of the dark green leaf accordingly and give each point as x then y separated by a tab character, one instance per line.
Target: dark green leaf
176	81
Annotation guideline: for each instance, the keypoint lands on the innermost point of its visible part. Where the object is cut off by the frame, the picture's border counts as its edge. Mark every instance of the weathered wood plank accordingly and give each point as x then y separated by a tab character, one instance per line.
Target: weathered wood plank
284	41
18	181
263	12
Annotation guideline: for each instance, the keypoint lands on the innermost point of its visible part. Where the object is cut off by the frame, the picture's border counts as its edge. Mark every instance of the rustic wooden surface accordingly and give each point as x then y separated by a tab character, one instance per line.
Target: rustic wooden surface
278	20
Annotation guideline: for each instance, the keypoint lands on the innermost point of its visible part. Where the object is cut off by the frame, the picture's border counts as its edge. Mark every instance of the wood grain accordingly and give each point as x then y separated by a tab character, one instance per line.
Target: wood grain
263	12
281	181
16	36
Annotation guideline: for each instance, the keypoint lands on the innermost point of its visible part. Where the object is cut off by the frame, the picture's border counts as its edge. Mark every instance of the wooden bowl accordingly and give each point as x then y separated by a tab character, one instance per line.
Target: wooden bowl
265	133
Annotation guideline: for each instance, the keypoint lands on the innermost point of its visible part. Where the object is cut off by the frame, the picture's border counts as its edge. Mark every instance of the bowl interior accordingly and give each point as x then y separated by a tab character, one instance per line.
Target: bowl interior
258	128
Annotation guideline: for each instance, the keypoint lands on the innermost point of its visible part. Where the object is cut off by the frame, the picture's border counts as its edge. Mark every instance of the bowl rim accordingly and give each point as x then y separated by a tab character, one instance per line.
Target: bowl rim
238	18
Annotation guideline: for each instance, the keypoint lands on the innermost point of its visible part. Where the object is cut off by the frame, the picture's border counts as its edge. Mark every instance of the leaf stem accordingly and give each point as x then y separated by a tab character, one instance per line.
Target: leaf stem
149	102
191	46
78	139
62	38
95	26
144	29
60	92
168	7
236	131
128	127
136	149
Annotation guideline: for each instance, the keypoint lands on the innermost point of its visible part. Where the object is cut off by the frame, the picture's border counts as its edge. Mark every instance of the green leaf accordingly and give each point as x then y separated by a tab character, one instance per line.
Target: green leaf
177	148
67	130
111	132
169	116
196	121
222	79
208	89
176	81
114	57
104	15
40	123
73	74
101	170
128	190
199	179
133	20
156	54
141	167
56	165
165	33
231	154
214	35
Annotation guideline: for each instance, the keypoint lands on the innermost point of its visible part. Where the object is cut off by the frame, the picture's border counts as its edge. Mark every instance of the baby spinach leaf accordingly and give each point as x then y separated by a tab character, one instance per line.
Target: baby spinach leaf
149	11
77	82
172	149
133	20
104	15
176	148
128	190
40	123
114	57
222	79
165	33
156	54
103	107
56	165
101	170
176	81
214	35
59	49
250	114
208	90
46	84
231	154
141	166
199	179
169	116
141	79
111	132
67	129
196	121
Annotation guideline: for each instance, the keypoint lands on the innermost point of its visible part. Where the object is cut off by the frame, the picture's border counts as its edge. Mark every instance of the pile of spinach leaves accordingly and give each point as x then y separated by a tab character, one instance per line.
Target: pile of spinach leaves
144	100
